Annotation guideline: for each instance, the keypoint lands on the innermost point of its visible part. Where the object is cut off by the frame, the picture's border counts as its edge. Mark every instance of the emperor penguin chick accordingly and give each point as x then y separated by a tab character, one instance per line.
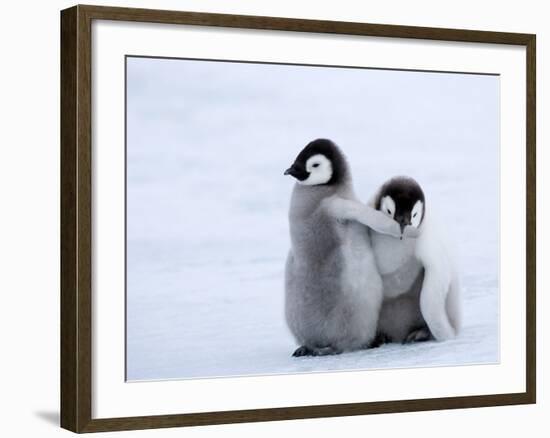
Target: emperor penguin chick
421	291
333	291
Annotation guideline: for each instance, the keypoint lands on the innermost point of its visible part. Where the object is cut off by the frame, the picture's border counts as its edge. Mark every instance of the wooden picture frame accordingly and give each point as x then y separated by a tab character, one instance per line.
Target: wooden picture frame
76	217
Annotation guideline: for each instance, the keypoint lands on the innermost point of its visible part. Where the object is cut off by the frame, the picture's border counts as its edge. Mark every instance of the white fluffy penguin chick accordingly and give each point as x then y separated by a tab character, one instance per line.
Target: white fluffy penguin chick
333	290
421	290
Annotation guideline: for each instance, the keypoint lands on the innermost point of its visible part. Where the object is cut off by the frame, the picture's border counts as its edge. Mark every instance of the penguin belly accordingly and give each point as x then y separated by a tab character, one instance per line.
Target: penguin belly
362	284
396	263
400	317
335	301
402	274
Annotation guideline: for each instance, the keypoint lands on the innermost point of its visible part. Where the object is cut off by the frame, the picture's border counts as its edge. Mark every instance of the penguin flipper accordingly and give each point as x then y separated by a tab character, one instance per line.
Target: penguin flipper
348	209
433	298
438	286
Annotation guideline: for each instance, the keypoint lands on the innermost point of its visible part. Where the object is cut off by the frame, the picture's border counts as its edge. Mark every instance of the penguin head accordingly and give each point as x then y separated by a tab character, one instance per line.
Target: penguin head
402	199
320	163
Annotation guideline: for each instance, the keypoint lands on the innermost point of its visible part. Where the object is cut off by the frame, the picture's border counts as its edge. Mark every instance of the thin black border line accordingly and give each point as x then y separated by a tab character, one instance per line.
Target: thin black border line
125	219
296	64
173	58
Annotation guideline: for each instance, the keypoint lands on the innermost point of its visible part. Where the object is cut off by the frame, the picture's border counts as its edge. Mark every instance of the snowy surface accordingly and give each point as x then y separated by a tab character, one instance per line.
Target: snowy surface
207	230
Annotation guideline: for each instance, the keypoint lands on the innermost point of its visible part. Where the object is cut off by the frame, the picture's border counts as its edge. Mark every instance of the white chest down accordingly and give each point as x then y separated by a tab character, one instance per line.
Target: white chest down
396	263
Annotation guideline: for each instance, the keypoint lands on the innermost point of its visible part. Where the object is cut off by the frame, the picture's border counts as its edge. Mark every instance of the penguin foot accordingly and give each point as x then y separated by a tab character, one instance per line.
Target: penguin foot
302	351
379	340
321	351
326	351
418	335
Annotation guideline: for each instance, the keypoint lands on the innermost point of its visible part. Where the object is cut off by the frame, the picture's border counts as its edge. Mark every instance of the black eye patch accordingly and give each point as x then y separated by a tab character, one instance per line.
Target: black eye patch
388	210
316	165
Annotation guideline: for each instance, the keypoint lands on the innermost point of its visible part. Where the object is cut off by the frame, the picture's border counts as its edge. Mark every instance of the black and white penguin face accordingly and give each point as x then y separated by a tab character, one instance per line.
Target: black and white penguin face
319	169
320	162
403	200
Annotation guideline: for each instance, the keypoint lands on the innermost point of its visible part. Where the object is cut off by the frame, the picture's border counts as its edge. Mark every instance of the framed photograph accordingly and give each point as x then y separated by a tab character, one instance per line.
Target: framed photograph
270	218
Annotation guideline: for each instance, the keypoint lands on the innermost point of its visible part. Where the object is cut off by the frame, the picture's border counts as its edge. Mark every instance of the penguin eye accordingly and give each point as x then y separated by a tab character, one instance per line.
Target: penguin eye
388	210
316	165
414	215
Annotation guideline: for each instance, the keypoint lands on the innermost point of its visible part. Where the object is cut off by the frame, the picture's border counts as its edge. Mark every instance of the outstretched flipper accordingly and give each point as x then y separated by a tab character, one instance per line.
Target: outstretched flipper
348	209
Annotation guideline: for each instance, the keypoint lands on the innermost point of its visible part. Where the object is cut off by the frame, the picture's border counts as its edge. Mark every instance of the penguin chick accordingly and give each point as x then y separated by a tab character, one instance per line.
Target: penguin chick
333	291
420	285
402	199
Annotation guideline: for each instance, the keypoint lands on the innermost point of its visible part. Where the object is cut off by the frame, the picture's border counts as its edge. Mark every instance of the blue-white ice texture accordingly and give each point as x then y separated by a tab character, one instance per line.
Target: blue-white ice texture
207	228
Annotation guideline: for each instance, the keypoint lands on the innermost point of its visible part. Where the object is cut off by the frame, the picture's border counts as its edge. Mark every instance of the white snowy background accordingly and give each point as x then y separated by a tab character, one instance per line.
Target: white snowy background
207	230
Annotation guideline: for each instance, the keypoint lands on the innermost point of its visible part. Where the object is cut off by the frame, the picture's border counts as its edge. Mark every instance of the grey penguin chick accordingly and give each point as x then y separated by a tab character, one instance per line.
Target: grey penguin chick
333	291
420	285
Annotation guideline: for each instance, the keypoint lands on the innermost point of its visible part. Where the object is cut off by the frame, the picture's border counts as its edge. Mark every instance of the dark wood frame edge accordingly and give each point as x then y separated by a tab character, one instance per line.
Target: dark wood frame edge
76	313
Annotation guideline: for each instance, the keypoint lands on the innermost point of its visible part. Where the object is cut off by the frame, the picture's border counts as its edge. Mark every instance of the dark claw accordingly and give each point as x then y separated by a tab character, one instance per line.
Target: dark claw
326	351
379	340
321	351
302	351
419	335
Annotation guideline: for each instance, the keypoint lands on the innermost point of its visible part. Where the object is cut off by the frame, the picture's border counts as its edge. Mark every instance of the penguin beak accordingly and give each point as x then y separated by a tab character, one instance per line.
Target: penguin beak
297	172
403	221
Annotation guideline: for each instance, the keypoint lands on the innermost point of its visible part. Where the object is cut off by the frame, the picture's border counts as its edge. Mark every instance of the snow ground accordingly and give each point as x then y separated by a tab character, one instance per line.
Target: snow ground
207	232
